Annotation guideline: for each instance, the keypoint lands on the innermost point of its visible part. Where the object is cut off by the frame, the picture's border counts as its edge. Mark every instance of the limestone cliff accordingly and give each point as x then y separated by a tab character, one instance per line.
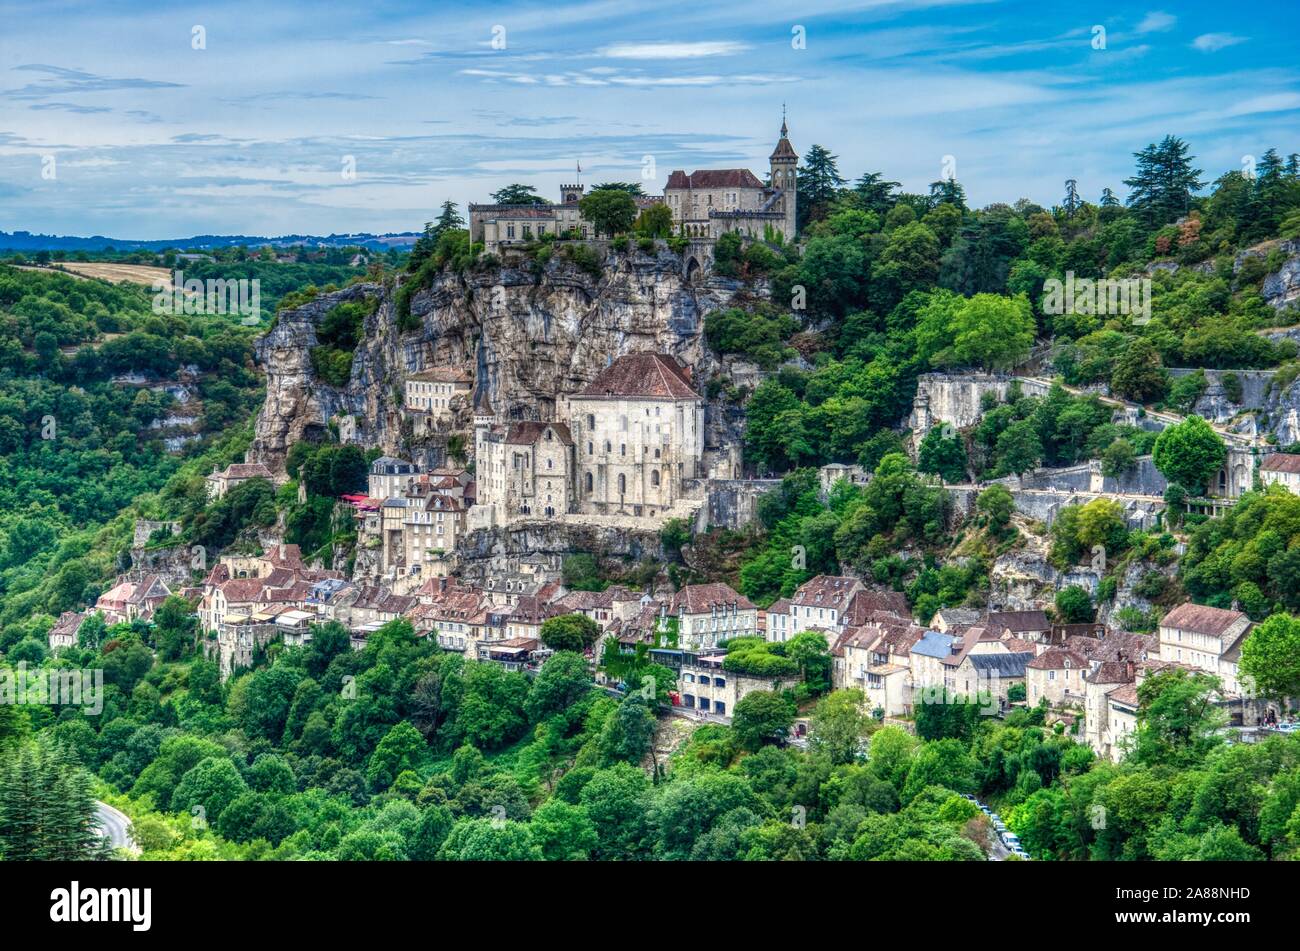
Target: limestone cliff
528	335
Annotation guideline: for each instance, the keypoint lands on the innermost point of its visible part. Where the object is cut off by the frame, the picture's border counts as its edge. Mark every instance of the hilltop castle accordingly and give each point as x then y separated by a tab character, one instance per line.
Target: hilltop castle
706	204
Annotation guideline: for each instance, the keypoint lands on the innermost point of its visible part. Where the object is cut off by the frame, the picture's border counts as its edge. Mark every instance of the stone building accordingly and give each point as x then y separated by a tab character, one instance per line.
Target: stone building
237	473
389	477
523	469
706	204
638	433
1281	468
429	394
711	202
707	614
627	444
1205	638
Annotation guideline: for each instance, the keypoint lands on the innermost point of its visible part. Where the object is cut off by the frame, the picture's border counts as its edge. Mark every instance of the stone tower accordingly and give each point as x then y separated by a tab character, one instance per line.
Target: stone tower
785	163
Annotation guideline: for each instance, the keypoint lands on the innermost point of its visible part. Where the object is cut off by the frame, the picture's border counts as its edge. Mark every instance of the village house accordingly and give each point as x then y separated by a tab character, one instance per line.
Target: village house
1031	625
237	473
707	614
705	685
1201	636
822	602
1057	675
128	601
777	621
430	393
64	632
389	478
1281	468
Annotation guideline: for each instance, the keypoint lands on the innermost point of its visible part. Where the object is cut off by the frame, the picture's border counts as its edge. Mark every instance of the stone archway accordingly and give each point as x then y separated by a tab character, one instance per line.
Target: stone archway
693	268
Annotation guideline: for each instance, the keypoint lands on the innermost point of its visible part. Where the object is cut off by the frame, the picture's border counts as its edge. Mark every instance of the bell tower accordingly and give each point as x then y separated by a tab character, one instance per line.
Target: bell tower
784	163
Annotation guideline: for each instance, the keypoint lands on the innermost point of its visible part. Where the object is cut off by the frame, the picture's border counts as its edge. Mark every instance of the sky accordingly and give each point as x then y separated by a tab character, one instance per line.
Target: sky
150	121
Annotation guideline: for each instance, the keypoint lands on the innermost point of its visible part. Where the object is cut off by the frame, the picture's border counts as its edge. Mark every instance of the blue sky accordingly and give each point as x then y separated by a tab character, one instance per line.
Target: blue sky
153	138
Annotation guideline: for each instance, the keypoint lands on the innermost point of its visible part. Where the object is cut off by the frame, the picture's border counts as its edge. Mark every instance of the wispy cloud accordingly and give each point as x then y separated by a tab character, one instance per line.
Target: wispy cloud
669	50
69	107
1156	22
63	81
1213	42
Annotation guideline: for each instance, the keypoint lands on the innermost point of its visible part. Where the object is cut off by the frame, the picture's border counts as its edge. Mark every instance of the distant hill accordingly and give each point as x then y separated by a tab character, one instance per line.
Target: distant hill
27	241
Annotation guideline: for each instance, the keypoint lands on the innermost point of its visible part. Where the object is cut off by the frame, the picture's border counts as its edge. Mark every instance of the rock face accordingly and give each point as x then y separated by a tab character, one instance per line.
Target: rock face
527	334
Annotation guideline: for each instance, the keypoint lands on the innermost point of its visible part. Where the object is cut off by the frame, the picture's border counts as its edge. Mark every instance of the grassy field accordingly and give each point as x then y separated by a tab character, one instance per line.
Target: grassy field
116	273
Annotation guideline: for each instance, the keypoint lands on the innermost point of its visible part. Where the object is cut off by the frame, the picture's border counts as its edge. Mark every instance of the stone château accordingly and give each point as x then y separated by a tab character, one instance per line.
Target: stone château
706	204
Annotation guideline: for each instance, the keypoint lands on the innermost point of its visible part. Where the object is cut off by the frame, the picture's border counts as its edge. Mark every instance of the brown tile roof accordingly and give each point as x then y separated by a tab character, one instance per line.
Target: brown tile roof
1112	672
530	610
1126	695
1058	658
527	433
242	590
1201	618
645	376
869	602
827	591
1019	620
713	178
702	598
68	624
1281	462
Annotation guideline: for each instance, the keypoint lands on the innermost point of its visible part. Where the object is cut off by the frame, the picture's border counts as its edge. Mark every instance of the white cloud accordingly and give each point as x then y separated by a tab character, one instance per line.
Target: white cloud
1157	22
670	50
1213	42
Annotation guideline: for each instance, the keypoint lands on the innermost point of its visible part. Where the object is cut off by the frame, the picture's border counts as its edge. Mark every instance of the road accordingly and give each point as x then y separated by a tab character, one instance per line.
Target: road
116	825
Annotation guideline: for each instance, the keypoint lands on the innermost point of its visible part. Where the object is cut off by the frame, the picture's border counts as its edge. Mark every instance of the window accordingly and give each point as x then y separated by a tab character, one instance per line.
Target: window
654	477
591	421
589	483
704	680
720	708
622	484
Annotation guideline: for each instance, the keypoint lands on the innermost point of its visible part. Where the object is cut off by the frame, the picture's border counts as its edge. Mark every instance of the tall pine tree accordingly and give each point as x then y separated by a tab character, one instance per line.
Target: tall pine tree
1161	189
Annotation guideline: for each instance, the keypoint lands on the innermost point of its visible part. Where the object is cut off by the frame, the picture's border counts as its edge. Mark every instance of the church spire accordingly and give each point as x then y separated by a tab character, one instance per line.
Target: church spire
784	131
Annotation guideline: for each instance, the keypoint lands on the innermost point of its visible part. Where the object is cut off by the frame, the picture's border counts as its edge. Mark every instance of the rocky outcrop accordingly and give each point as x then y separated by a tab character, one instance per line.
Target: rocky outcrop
528	334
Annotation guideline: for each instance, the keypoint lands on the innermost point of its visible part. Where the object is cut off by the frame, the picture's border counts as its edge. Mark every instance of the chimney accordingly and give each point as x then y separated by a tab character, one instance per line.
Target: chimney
1130	670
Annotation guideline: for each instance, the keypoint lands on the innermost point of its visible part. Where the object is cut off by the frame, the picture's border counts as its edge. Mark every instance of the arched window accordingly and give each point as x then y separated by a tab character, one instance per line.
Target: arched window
589	483
622	484
654	477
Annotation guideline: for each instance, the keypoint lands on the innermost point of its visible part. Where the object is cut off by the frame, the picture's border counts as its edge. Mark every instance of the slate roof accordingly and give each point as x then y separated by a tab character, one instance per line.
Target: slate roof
1001	665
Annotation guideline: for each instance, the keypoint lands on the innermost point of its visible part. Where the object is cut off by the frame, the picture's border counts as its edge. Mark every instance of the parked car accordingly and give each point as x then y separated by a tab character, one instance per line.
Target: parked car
1011	839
